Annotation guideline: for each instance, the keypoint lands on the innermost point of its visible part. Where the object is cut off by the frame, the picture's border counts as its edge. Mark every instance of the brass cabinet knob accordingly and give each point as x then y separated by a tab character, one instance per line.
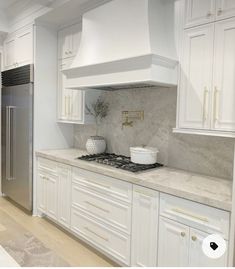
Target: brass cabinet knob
194	238
182	234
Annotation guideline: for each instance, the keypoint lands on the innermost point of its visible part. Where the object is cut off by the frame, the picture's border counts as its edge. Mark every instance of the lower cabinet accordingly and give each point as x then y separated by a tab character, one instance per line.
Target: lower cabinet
144	227
181	246
133	225
172	244
54	191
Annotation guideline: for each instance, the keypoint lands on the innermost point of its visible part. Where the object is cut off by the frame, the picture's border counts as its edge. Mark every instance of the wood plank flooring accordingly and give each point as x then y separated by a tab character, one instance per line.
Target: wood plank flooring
70	249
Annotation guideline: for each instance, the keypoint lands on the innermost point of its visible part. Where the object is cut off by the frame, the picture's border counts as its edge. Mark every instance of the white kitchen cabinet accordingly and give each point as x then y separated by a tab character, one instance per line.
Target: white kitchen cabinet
196	78
41	192
197	258
18	48
207	88
199	12
64	194
72	103
225	9
223	82
69	41
9	52
51	196
173	249
144	227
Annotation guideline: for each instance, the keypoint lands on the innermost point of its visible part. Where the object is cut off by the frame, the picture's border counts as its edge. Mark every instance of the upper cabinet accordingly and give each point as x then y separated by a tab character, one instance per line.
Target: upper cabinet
206	91
68	41
199	12
196	77
18	48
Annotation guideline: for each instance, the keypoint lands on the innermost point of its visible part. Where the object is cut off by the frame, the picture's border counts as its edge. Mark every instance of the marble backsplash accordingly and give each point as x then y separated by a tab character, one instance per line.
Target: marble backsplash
202	154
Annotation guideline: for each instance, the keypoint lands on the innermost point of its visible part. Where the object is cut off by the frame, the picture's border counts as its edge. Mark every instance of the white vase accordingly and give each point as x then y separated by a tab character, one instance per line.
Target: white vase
95	145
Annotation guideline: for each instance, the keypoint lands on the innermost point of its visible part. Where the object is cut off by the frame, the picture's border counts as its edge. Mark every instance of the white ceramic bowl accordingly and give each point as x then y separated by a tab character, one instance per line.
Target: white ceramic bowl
144	155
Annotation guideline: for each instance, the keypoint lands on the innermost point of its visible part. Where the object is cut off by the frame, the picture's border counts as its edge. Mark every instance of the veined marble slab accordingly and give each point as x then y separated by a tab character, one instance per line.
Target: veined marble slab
211	191
6	260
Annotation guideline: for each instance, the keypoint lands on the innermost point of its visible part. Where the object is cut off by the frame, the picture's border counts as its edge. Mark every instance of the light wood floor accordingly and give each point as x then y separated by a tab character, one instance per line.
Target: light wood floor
71	250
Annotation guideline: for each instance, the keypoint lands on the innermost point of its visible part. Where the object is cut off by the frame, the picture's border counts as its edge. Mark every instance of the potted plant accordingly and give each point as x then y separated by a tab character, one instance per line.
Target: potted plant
96	144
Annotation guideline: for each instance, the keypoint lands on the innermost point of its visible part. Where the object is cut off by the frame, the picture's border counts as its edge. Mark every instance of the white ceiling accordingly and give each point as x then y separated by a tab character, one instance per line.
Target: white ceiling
7	3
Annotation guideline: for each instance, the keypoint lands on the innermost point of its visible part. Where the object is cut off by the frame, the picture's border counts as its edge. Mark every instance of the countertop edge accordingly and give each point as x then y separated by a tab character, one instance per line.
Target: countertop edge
227	206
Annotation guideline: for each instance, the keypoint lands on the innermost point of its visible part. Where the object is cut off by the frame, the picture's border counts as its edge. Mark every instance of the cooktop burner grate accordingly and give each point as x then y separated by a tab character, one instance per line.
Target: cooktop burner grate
119	161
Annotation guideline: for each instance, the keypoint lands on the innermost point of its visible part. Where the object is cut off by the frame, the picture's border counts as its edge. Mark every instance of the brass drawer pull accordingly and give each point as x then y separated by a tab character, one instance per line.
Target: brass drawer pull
99	184
183	234
188	214
100	236
98	207
194	238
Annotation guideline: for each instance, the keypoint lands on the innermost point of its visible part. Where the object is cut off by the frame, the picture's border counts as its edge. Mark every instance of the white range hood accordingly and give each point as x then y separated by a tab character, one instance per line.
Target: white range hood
126	44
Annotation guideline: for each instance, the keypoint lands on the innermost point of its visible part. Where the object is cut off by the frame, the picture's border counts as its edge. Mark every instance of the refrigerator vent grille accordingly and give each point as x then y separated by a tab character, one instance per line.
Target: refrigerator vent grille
17	76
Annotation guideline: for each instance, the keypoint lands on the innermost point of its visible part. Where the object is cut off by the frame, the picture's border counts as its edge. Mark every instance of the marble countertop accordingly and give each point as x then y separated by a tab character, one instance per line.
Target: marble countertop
211	191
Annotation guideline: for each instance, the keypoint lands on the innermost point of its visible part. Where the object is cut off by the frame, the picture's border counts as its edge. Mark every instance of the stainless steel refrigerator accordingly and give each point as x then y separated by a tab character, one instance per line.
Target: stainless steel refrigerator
17	135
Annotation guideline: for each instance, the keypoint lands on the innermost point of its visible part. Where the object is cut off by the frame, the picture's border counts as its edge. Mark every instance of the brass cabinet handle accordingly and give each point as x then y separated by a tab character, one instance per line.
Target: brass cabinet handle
205	112
98	207
194	238
216	104
209	14
188	214
99	184
219	12
183	234
100	236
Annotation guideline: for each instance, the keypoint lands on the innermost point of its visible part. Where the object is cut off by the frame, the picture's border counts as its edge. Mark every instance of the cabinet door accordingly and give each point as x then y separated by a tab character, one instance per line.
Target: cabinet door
199	12
197	258
224	71
64	41
75	38
64	95
196	78
9	53
77	105
41	192
173	244
144	227
225	9
64	195
24	47
51	196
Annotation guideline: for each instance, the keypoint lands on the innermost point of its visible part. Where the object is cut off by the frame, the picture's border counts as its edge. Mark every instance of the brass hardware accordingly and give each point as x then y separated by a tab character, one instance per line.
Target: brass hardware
100	236
205	104
96	206
128	117
216	105
99	184
194	238
182	234
177	210
209	14
219	12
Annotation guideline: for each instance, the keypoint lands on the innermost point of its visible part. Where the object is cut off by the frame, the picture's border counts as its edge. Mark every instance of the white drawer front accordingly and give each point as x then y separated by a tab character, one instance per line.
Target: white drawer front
102	184
208	219
111	212
47	165
108	240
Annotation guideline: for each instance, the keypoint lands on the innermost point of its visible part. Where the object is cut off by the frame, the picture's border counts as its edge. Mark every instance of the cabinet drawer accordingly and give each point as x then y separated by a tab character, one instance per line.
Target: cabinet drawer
102	184
110	241
110	212
205	218
47	166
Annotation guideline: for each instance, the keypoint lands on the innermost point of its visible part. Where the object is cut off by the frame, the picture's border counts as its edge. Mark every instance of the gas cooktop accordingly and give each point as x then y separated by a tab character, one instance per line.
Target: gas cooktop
119	161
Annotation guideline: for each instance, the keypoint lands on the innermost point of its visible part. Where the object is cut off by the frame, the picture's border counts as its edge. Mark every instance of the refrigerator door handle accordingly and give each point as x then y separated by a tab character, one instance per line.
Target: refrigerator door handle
9	155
